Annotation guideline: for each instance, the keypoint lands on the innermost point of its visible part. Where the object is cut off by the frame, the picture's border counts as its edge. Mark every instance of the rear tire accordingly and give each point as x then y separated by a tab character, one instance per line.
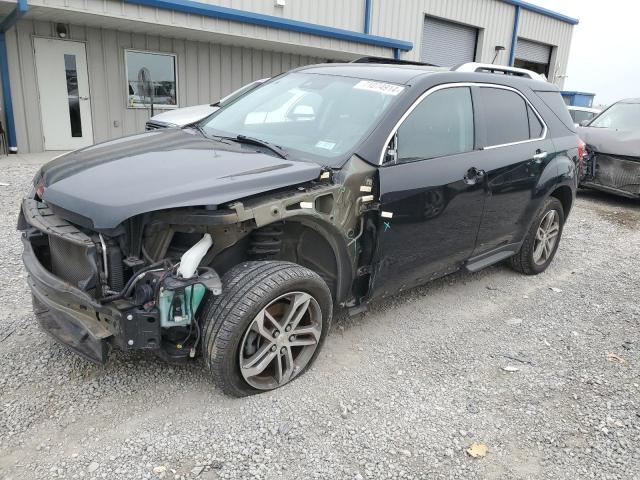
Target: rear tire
542	240
240	338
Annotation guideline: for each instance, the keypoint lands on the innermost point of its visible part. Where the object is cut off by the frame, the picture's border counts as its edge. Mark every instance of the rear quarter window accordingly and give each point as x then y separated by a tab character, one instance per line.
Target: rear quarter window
554	101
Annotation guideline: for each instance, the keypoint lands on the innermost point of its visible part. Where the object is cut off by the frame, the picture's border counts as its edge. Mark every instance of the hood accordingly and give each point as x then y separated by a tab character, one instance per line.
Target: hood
113	181
608	140
184	116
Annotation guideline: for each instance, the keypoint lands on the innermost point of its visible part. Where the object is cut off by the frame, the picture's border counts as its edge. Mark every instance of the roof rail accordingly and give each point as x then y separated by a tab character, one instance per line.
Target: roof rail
390	60
499	69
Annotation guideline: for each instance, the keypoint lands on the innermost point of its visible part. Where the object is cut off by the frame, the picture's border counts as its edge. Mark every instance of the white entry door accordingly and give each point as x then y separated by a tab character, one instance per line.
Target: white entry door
63	85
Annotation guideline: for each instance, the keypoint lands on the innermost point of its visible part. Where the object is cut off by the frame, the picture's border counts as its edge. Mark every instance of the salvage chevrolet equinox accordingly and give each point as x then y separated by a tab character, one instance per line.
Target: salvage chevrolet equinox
233	239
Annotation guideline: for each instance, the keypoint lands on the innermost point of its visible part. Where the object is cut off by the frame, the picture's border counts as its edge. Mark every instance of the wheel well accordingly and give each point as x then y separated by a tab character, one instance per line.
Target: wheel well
299	243
565	196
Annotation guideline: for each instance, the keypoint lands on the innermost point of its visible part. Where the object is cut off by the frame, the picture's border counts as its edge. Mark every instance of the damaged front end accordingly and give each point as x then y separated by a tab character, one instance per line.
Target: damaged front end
77	279
612	160
143	284
612	173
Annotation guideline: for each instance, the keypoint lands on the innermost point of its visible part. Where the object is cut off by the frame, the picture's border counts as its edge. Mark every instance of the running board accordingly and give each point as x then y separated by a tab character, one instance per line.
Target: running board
483	261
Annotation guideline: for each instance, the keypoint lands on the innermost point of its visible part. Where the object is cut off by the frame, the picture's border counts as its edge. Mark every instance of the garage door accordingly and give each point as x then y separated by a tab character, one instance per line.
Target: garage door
532	51
532	56
447	44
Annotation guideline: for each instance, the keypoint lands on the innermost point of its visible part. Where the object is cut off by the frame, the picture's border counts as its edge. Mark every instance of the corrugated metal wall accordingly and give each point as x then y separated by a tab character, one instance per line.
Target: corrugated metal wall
347	14
493	17
217	56
205	72
543	29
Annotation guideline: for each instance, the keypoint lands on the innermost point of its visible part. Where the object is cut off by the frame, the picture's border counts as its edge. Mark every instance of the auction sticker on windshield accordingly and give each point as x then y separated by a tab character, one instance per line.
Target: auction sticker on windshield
380	87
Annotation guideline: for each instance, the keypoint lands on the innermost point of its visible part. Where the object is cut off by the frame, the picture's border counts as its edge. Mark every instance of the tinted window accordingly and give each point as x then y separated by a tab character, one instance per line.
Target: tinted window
535	126
506	115
554	101
442	124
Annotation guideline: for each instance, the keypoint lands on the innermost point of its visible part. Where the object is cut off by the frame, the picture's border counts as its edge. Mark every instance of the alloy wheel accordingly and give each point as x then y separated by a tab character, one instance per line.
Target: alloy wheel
280	341
546	237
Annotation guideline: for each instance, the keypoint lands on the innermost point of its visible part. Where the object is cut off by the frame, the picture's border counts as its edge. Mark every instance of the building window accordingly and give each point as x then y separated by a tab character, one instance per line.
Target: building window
151	79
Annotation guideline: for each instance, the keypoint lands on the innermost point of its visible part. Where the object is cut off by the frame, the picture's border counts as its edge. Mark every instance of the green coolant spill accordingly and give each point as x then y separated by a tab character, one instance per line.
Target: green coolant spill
192	294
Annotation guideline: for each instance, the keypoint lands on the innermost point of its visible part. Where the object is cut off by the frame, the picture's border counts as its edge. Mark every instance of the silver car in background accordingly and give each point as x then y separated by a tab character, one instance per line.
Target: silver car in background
582	115
181	117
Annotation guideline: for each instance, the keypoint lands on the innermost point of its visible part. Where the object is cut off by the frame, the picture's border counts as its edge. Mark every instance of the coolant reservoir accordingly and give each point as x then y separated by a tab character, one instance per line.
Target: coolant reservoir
191	259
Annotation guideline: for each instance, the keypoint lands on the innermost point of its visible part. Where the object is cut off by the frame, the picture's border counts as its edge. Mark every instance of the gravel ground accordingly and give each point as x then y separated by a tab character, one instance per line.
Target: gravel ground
545	371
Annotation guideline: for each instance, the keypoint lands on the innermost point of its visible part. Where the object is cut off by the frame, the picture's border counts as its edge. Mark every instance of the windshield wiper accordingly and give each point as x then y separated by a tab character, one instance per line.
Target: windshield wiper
263	143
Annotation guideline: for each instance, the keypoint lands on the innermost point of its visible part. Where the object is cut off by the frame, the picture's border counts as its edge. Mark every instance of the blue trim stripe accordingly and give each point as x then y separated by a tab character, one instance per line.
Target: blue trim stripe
367	16
6	24
15	15
542	11
586	94
235	15
514	36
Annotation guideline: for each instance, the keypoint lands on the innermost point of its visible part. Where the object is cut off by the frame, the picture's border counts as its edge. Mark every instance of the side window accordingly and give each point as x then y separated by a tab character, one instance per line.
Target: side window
535	126
442	124
506	116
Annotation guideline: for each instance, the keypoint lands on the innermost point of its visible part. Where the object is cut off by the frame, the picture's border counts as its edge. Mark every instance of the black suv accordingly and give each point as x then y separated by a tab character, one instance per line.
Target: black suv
330	185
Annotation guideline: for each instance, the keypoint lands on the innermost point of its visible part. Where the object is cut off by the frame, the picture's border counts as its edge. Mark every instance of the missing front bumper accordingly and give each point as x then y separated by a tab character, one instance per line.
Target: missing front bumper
66	313
613	174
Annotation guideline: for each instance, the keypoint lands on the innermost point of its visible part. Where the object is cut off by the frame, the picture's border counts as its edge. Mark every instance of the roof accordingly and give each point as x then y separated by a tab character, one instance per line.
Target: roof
415	74
542	11
629	100
400	74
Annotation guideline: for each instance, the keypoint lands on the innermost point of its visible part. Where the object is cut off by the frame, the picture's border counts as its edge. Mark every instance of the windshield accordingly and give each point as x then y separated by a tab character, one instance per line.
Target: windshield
321	116
621	116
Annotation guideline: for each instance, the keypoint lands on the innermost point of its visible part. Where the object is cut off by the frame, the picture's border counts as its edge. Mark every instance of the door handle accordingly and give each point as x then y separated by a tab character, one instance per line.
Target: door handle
540	155
473	175
84	98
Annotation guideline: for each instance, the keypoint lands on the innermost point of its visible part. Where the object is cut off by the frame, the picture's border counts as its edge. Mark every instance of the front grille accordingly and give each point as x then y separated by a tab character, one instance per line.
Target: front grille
618	172
73	263
71	254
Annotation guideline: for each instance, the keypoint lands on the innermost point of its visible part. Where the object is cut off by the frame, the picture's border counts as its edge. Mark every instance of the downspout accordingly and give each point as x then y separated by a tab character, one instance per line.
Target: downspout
367	16
6	24
514	36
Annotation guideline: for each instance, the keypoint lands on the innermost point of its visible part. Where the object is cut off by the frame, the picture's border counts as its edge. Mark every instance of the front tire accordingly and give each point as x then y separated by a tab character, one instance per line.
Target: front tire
542	240
266	328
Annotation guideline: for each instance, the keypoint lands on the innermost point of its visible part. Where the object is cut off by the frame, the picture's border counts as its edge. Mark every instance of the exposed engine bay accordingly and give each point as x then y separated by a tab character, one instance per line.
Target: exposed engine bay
142	284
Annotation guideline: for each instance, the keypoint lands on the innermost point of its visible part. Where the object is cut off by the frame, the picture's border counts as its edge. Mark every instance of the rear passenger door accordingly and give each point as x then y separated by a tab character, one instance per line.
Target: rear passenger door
516	151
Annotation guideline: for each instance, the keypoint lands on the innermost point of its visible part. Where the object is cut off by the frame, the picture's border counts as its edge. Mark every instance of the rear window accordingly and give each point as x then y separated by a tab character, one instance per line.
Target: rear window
506	114
554	101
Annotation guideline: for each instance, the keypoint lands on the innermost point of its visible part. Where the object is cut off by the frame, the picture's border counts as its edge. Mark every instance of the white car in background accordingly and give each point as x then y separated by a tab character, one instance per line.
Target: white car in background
181	117
581	115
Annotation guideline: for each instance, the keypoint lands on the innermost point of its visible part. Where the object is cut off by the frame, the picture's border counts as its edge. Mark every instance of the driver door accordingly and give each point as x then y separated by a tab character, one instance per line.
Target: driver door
433	186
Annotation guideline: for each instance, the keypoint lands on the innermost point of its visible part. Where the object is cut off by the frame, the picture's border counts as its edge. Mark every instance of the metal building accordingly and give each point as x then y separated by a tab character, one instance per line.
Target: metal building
76	72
